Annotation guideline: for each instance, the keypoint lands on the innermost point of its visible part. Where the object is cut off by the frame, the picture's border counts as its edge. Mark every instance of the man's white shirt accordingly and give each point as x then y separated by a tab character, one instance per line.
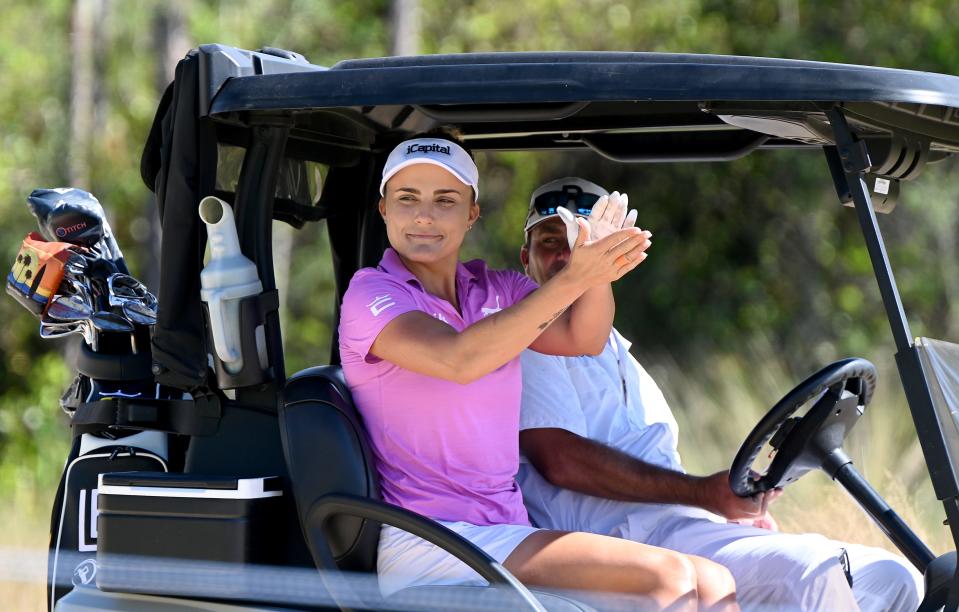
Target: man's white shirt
584	395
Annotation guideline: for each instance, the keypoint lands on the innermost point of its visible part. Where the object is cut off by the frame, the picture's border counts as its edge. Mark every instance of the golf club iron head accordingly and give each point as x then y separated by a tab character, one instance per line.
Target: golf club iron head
80	287
50	330
138	313
123	287
68	308
110	322
76	265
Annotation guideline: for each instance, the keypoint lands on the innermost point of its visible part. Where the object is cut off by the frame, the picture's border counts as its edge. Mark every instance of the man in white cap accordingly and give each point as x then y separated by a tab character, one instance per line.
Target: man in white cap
599	445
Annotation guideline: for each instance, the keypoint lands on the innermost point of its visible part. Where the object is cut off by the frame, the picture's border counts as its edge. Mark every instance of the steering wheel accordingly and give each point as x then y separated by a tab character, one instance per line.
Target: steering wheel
841	390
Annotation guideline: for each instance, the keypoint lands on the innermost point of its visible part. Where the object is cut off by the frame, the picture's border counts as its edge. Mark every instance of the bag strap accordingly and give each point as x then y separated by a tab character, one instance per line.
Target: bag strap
194	417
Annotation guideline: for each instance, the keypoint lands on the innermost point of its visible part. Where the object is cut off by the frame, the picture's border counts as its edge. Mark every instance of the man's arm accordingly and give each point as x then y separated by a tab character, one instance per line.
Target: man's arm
573	462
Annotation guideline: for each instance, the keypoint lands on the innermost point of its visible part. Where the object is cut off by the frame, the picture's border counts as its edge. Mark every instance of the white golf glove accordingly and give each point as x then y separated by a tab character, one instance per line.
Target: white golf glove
608	215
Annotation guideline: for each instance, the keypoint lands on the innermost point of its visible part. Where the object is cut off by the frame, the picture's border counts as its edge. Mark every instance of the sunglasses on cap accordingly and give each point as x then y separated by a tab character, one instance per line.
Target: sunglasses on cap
570	197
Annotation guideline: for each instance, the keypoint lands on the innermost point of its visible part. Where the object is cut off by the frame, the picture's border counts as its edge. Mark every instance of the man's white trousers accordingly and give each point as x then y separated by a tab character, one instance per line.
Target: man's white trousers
779	571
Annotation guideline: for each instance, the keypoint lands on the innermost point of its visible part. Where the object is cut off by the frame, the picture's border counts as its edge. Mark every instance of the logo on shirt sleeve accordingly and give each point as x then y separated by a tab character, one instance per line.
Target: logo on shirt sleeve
488	311
380	303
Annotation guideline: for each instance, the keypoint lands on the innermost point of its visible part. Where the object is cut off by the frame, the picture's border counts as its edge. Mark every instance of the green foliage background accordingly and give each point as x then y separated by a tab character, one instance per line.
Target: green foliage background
753	260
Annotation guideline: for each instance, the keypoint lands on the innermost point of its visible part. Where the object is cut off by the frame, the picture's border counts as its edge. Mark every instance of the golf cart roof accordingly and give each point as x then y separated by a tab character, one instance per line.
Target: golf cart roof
632	107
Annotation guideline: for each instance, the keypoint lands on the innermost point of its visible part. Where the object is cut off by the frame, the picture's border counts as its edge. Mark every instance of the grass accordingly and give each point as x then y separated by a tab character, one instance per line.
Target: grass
23	547
715	406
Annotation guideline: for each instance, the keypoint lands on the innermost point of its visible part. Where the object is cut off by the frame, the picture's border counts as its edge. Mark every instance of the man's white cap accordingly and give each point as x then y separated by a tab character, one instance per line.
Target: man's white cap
437	151
561	193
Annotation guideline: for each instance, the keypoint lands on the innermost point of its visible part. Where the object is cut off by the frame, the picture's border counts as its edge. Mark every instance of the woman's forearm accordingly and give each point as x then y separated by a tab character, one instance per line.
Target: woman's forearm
495	340
418	342
583	329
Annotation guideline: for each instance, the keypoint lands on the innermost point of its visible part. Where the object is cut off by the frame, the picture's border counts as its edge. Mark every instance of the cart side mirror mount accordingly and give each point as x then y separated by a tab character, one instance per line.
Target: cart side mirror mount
883	190
884	193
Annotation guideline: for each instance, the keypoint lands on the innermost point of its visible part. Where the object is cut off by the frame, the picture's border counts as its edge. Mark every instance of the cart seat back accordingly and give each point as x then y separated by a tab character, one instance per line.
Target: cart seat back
327	452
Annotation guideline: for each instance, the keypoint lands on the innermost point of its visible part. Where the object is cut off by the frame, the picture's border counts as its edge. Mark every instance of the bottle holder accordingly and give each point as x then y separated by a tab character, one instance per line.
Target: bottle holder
256	367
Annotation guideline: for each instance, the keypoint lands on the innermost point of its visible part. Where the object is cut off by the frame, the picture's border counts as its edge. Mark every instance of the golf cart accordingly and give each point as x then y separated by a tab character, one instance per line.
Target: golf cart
271	472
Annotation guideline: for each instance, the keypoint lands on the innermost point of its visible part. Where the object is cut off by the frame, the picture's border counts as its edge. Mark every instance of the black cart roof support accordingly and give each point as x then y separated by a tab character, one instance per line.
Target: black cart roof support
849	161
253	208
854	159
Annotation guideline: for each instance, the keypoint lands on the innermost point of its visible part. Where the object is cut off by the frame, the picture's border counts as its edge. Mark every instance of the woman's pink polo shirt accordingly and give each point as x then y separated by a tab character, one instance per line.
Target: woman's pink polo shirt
444	450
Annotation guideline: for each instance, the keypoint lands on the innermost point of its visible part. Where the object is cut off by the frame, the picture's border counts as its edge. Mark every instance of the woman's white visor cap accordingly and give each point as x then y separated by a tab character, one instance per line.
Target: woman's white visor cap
437	151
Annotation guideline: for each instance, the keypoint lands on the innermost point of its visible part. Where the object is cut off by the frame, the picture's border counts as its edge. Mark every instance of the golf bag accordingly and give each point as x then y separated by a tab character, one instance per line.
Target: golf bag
101	393
72	277
73	522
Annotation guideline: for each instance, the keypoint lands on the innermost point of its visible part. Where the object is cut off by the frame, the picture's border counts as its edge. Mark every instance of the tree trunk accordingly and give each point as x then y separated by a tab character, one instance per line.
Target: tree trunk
83	83
405	27
170	44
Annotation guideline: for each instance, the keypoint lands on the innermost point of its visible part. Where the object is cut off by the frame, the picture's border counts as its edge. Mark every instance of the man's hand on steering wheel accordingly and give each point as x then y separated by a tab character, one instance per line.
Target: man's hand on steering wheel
716	496
764	522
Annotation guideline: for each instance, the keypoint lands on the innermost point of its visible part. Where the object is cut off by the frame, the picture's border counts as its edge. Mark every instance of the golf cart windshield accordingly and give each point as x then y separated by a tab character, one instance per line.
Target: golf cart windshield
940	362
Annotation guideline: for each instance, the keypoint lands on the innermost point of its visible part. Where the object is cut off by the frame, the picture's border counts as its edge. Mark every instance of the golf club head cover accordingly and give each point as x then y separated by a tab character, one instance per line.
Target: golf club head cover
73	215
37	272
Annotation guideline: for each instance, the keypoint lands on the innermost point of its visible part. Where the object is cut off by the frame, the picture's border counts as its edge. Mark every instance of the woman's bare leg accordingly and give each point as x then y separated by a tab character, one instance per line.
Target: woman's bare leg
715	585
601	563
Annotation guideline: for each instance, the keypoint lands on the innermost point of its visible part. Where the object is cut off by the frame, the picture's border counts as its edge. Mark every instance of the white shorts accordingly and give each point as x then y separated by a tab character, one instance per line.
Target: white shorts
405	560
